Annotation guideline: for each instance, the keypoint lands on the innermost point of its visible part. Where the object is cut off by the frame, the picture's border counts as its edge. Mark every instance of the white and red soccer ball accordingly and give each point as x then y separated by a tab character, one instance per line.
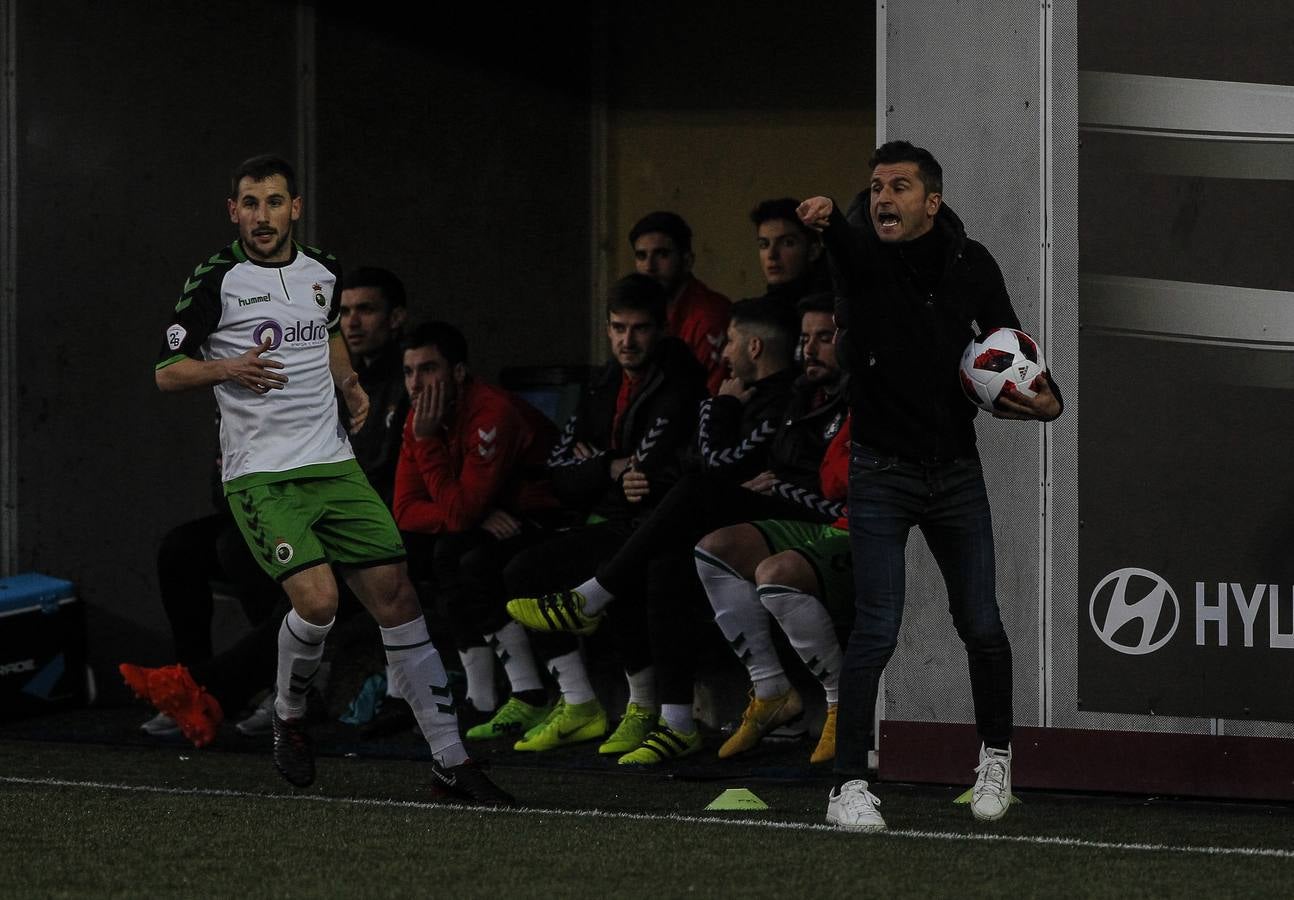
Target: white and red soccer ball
1001	357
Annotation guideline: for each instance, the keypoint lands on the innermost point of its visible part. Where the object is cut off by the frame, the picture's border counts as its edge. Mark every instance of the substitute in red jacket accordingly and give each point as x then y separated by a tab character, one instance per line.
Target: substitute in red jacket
696	315
473	455
471	491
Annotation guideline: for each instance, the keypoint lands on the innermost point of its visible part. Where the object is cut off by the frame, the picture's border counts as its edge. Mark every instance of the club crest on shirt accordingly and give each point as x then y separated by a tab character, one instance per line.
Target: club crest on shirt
175	336
834	426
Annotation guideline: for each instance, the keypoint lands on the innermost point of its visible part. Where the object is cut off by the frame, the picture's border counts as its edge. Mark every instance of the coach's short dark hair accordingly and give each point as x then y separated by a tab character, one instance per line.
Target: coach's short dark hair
781	208
638	293
932	174
441	335
665	222
384	280
824	301
258	168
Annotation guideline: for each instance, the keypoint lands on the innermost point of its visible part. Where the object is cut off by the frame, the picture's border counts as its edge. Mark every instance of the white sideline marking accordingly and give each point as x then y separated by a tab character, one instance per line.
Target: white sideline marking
1042	841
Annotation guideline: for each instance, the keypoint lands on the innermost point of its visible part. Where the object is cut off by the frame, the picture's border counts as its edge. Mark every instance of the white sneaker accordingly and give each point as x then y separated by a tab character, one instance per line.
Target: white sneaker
261	721
161	725
853	808
991	796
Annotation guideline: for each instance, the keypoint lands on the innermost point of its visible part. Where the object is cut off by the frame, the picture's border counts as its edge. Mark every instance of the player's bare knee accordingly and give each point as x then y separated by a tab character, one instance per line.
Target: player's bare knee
788	568
717	543
313	593
317	608
396	604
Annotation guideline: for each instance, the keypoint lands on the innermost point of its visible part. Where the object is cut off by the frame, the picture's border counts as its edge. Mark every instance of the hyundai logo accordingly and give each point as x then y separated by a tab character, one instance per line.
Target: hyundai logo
1134	611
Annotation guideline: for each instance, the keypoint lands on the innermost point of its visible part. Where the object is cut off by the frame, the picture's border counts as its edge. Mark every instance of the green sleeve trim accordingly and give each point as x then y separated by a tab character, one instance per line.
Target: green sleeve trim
171	361
237	250
315	252
199	277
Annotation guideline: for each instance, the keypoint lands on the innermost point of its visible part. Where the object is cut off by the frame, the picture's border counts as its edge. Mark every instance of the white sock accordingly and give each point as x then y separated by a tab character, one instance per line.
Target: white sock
595	596
420	679
745	624
572	678
810	630
642	687
678	716
511	645
301	647
478	667
390	685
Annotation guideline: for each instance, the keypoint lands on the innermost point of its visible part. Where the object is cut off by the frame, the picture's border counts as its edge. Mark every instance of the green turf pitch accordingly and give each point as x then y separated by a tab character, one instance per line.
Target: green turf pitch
94	820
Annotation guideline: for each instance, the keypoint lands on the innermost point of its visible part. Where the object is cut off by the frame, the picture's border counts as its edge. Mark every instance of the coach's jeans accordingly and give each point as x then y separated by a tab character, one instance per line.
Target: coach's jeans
948	502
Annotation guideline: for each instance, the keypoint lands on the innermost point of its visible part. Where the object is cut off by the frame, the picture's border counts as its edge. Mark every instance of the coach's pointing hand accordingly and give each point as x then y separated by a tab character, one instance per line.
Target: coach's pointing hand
815	212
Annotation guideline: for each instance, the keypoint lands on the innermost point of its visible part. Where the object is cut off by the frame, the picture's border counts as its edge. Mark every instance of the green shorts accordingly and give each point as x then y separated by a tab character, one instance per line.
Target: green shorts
827	550
293	525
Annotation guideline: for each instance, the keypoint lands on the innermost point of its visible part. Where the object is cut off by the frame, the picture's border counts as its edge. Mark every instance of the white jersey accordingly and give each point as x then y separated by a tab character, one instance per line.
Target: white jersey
230	305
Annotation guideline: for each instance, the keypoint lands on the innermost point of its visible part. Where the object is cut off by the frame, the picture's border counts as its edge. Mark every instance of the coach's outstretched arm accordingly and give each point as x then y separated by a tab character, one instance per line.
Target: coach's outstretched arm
249	369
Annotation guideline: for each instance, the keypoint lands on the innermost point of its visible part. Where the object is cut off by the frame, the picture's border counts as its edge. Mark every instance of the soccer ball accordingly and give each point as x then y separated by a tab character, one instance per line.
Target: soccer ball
1003	356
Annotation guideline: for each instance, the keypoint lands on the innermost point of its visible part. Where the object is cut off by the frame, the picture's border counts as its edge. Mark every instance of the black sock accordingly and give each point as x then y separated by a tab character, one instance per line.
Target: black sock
536	697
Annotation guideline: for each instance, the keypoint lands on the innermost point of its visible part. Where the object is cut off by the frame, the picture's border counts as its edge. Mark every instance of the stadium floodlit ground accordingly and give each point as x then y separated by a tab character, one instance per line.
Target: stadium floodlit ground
100	811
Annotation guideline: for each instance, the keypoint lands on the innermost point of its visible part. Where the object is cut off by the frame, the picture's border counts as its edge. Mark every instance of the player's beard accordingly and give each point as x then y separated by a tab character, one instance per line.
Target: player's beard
823	377
273	251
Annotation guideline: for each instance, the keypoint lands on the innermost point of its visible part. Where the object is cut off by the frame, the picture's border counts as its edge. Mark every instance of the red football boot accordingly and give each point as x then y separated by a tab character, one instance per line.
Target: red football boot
172	690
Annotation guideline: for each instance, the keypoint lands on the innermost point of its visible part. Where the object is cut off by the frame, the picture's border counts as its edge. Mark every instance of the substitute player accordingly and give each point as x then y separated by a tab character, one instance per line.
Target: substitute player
800	574
258	322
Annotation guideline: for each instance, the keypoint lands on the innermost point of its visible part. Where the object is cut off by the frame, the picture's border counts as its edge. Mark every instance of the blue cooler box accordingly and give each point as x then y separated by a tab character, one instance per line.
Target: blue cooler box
42	645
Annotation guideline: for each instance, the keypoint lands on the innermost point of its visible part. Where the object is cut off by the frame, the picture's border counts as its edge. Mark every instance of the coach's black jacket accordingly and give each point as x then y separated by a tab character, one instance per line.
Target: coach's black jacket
656	428
909	310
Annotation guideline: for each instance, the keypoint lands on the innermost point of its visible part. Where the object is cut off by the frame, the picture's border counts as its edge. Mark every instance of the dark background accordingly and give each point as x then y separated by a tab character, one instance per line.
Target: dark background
460	163
455	147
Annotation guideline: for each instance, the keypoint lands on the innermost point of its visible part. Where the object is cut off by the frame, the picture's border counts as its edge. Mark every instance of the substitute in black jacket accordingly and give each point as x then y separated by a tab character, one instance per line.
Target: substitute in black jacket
639	416
373	311
736	426
659	552
915	291
819	404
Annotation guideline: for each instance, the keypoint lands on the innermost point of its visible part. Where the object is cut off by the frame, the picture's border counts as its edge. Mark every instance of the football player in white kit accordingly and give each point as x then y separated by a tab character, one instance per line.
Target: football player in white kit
258	322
